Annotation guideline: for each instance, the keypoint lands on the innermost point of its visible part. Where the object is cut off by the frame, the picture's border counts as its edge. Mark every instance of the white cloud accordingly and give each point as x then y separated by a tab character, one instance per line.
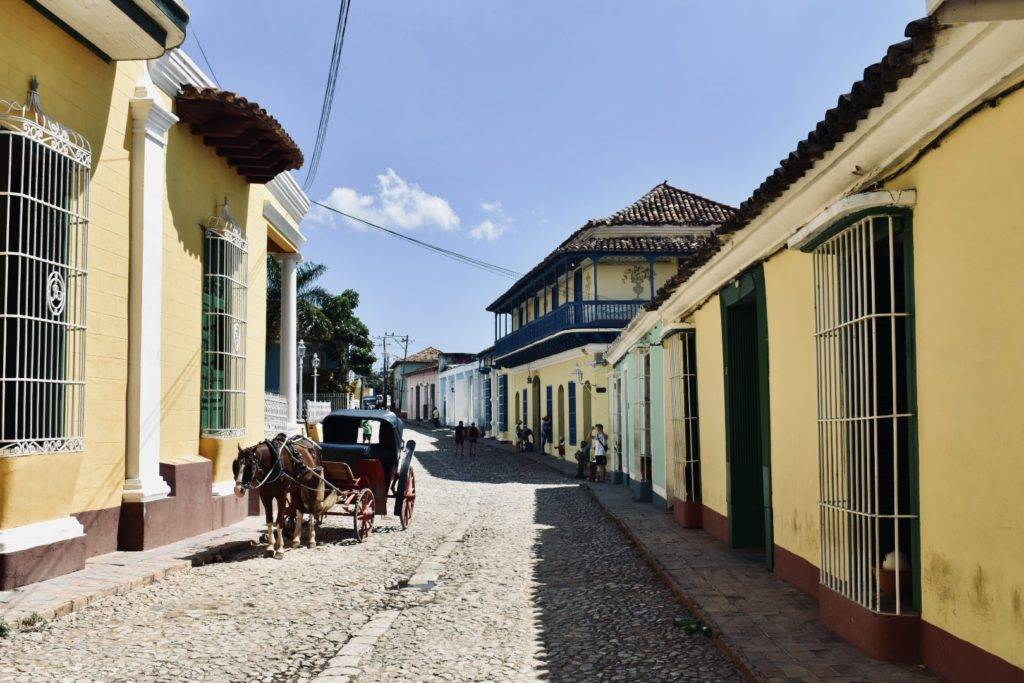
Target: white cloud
397	204
491	229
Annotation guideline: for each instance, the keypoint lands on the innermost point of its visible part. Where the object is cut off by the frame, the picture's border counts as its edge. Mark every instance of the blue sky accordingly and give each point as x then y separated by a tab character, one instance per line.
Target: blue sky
498	127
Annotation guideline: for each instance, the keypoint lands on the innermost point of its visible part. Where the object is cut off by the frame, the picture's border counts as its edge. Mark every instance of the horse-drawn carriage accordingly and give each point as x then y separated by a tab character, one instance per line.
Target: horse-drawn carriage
346	474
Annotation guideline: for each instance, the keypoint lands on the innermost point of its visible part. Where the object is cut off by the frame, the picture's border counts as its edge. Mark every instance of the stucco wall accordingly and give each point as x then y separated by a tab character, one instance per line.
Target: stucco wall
968	236
792	381
711	404
91	97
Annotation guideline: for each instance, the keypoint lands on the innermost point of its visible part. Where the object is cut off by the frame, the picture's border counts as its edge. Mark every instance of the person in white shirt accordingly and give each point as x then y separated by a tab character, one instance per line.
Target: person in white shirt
600	439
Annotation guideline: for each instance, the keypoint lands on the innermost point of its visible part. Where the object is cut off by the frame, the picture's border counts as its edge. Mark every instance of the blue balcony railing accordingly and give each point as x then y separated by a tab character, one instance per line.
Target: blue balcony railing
574	315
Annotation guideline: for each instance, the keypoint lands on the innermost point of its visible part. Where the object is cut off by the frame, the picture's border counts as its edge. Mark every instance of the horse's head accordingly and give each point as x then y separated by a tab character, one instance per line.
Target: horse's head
245	466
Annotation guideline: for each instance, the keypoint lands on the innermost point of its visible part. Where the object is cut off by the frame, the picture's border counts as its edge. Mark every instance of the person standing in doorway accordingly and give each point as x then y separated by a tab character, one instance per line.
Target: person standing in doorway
583	459
460	439
546	430
472	434
600	471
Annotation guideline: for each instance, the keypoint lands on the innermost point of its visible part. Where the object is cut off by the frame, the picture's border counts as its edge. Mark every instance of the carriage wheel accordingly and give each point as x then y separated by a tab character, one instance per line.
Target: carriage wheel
362	515
409	500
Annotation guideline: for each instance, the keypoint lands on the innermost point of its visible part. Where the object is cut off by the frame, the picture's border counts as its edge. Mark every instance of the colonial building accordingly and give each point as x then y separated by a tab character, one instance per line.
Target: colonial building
838	386
139	203
553	326
417	377
466	393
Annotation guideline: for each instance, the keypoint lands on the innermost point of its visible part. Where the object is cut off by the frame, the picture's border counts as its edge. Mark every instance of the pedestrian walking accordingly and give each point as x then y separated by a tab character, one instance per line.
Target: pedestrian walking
546	435
600	471
582	459
367	431
436	417
460	439
561	447
519	437
472	434
527	438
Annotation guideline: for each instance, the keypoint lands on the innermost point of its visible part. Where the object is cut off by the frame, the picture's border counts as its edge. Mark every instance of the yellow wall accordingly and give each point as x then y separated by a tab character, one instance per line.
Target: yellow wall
91	97
555	375
711	405
968	241
792	382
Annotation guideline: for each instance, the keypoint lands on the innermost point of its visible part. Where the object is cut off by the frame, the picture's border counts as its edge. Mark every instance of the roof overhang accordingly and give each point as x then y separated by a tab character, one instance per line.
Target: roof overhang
970	63
251	140
965	11
120	29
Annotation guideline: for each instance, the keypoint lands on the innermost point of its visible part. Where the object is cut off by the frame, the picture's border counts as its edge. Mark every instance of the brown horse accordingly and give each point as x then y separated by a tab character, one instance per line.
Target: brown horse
260	468
308	494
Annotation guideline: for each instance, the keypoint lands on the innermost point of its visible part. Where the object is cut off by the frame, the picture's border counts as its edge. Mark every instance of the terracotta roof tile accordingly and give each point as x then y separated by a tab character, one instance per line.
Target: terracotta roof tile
667	205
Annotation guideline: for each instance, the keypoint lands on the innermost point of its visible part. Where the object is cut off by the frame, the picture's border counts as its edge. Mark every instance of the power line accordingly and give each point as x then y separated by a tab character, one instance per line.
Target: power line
328	103
195	34
448	253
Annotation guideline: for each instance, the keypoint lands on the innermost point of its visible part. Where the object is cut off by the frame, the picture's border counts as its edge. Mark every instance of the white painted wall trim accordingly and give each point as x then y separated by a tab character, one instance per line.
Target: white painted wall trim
286	190
283	225
148	180
174	69
848	206
558	334
640	325
40	533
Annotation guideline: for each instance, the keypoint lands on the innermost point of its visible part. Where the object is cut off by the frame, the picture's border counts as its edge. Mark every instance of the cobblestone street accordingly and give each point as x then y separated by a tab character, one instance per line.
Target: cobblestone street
540	585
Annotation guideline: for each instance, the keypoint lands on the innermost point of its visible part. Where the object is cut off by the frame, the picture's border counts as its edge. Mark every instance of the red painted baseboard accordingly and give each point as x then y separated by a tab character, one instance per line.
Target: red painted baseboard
715	523
797	571
958	660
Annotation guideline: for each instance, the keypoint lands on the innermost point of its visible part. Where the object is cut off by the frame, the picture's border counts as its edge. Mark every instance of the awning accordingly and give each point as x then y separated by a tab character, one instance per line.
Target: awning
120	29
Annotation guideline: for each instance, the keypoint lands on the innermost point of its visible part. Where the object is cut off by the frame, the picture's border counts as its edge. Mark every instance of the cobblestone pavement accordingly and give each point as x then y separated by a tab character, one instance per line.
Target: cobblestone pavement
541	586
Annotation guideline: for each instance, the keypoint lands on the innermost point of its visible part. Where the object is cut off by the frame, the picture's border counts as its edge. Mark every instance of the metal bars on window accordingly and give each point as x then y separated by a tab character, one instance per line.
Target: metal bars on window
225	291
862	319
642	412
45	173
685	430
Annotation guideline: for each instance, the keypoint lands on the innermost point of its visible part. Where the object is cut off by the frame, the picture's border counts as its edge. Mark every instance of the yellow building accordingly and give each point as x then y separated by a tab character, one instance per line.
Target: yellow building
554	324
858	355
138	212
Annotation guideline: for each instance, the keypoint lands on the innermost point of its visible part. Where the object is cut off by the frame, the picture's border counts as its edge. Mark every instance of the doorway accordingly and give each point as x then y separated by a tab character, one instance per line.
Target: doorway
561	412
745	352
535	413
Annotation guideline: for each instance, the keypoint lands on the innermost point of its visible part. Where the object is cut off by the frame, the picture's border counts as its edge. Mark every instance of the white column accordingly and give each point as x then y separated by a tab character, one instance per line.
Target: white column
289	324
150	123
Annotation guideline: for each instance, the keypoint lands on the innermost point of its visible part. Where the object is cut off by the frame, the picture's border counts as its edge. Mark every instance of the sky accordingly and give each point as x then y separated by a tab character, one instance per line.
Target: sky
498	127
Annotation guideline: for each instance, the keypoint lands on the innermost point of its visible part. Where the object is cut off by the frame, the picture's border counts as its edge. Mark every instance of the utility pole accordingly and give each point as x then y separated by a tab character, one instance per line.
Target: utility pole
404	340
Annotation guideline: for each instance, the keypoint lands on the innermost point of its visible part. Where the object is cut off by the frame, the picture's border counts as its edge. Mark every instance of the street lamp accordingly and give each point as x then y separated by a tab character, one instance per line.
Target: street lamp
300	352
316	372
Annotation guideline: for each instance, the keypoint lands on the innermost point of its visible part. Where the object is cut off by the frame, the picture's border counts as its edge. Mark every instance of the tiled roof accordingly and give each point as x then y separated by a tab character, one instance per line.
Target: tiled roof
667	205
253	141
901	61
664	206
424	356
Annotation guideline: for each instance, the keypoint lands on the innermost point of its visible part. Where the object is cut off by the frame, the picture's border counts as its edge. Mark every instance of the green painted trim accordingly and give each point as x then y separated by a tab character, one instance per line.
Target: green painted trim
842	224
70	31
147	23
750	286
173	11
905	226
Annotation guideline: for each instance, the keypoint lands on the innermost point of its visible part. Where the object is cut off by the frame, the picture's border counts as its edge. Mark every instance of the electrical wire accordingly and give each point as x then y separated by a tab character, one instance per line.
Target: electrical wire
328	103
195	34
447	253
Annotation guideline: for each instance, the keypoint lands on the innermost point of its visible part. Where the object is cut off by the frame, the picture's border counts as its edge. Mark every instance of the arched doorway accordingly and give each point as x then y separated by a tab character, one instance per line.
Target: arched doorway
535	412
561	413
587	424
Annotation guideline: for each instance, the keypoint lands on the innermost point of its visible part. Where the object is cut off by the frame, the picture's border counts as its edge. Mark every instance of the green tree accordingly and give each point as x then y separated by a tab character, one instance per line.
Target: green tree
327	322
309	299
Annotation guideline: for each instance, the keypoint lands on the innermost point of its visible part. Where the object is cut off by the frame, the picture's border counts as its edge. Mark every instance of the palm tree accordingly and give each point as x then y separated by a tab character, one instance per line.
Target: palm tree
310	298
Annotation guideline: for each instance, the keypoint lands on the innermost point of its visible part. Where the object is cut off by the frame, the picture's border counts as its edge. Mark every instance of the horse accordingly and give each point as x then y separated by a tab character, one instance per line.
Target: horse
304	469
260	468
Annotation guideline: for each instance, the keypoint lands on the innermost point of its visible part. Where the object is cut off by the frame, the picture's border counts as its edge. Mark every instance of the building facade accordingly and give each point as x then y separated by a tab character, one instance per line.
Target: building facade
136	224
839	381
553	326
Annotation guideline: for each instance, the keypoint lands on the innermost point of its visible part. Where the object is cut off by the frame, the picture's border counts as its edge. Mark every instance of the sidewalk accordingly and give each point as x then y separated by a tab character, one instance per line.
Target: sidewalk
120	572
768	627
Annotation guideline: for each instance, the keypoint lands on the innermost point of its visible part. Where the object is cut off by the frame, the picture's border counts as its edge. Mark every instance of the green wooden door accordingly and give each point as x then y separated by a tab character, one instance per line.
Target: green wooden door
745	347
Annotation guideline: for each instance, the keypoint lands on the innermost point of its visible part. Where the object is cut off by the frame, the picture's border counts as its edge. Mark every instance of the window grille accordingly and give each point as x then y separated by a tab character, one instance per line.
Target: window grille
685	429
225	260
616	416
865	413
642	413
45	172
